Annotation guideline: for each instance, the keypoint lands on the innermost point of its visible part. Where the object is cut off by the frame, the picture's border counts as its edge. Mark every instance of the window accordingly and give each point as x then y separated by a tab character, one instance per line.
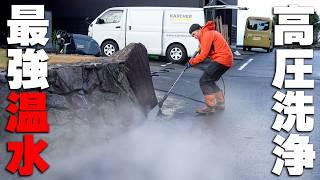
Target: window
258	25
112	17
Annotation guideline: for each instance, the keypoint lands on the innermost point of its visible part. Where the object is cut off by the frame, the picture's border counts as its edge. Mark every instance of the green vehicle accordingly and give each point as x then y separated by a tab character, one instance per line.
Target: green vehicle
258	34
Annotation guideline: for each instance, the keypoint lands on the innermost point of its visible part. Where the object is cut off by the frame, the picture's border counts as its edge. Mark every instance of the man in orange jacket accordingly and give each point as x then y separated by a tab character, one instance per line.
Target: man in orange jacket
213	46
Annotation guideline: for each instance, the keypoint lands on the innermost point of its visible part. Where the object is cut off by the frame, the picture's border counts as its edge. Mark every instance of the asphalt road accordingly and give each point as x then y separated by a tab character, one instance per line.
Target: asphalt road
242	133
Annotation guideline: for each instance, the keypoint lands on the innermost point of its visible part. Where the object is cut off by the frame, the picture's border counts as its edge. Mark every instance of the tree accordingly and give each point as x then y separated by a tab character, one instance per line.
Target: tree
314	20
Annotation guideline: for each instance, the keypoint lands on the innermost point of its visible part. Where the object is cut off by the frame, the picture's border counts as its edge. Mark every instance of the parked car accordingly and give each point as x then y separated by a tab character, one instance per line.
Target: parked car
77	43
164	31
258	34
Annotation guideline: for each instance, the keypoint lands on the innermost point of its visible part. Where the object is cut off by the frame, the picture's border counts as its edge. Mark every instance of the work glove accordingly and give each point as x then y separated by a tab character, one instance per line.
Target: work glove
188	65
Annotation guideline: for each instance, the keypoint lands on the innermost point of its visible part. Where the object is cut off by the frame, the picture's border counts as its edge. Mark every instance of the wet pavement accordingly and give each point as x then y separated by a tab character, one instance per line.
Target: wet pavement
245	125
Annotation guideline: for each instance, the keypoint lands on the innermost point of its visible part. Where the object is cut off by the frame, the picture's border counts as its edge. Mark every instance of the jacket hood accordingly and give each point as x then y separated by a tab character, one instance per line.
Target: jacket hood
208	27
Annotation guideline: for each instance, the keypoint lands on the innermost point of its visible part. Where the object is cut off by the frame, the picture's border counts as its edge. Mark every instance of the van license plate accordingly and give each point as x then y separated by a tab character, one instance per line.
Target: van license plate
256	38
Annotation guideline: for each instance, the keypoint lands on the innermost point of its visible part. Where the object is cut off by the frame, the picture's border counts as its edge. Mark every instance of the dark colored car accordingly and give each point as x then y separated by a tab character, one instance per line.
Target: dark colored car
77	44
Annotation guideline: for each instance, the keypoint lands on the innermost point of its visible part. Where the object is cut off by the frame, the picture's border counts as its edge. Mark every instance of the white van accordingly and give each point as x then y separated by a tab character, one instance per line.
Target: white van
164	31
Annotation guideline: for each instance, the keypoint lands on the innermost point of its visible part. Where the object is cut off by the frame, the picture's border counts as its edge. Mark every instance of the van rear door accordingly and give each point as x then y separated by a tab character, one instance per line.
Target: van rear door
145	26
258	32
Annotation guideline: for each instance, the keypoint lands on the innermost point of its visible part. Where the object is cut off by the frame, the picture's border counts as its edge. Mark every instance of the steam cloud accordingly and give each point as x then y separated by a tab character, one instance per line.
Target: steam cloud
182	149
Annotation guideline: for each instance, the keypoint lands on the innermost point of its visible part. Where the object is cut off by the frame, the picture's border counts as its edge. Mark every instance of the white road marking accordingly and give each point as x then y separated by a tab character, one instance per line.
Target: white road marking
245	64
167	64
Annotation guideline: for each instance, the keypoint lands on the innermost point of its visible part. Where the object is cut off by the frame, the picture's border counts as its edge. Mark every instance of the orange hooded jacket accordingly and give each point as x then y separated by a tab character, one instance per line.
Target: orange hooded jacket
213	45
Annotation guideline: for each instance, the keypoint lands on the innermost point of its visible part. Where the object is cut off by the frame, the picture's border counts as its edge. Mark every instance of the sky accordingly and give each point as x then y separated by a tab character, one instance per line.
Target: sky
263	8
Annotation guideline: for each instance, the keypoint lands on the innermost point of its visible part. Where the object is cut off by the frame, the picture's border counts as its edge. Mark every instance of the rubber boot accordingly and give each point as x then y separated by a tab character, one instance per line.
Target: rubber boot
210	101
220	105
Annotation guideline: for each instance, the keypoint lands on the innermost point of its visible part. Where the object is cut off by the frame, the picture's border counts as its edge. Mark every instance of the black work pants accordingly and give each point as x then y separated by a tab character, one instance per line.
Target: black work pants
210	76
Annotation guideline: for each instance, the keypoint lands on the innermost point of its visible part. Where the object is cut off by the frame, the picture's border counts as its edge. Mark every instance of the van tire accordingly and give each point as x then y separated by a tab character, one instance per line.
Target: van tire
270	49
244	48
108	48
176	53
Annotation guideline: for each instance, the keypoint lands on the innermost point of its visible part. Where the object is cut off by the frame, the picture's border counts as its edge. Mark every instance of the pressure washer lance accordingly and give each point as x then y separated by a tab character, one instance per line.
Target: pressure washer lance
155	111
